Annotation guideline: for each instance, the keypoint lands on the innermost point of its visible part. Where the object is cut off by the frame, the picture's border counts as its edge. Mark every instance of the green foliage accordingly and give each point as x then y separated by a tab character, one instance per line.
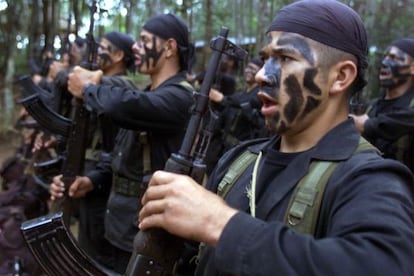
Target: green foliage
385	21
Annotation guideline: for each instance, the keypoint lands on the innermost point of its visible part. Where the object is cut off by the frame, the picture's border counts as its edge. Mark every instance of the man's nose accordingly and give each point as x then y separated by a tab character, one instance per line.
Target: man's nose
259	77
136	46
264	79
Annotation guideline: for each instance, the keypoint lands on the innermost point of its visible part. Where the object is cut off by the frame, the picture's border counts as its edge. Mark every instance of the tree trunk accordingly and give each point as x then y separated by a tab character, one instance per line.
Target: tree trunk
128	19
34	31
208	6
189	6
262	21
46	24
75	11
8	100
8	90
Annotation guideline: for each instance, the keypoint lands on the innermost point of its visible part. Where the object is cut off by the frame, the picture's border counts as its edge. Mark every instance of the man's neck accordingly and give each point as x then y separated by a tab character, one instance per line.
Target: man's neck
310	133
250	86
398	91
165	73
115	70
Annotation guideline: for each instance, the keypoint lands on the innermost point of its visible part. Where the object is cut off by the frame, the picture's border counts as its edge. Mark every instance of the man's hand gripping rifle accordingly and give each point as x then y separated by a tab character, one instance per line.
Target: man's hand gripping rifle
54	246
155	250
48	237
73	162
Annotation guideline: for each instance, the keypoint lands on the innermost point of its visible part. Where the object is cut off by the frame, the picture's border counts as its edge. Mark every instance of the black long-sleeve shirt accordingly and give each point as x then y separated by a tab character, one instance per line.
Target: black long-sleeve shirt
365	224
390	127
163	115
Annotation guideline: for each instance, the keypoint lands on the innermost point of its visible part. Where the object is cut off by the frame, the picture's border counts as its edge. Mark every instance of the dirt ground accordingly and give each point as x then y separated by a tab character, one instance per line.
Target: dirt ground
8	147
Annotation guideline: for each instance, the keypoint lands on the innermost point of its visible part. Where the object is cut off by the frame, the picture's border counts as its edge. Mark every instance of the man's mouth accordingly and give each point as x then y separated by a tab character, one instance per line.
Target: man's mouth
385	73
269	104
137	60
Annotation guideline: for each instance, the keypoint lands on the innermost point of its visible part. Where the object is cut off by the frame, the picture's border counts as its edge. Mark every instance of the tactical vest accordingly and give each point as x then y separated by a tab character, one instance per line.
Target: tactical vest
304	206
128	187
97	145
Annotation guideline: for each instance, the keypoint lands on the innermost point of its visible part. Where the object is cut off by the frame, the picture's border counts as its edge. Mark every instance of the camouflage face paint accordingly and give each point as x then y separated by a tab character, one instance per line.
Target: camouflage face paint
105	59
291	72
314	90
296	99
272	72
311	104
152	53
299	44
275	124
394	67
308	81
395	71
105	49
294	88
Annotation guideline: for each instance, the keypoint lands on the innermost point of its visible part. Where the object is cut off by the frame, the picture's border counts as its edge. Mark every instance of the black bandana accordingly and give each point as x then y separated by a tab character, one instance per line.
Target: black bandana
257	61
406	45
328	22
168	26
124	43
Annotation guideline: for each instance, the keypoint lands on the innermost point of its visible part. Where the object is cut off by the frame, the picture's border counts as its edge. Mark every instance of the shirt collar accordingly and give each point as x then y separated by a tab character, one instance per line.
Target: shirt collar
338	144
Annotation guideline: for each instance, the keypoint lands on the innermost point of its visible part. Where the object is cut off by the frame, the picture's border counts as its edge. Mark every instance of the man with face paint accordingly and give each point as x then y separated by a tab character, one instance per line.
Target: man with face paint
316	57
239	113
389	123
115	59
115	55
152	125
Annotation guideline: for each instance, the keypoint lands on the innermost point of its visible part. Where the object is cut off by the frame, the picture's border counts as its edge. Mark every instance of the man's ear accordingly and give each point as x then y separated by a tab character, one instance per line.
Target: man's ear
118	56
170	48
412	68
344	74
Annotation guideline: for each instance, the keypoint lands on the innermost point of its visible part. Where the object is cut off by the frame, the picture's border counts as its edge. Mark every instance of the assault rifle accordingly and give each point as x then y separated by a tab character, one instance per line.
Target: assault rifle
56	250
356	105
78	136
33	102
155	250
55	247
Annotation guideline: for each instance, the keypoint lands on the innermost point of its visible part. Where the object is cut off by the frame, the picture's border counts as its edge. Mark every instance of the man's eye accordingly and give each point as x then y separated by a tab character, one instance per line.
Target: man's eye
264	56
285	58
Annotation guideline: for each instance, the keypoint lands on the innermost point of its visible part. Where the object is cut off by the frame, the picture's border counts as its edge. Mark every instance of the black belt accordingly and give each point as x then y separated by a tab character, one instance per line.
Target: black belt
127	187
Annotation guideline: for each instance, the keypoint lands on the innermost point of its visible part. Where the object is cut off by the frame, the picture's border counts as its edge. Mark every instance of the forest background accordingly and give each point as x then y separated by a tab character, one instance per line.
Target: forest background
28	26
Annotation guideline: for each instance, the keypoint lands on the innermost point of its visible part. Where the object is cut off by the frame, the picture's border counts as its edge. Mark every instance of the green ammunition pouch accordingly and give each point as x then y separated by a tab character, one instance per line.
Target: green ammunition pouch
93	151
127	187
124	186
231	140
92	155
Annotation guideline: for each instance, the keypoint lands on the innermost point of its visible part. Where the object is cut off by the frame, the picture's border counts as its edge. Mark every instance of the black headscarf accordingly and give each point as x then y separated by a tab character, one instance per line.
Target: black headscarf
124	43
406	45
331	23
168	26
257	61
